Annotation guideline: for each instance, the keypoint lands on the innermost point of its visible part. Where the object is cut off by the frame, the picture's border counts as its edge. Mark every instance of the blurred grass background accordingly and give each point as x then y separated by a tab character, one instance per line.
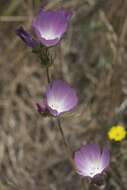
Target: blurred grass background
93	58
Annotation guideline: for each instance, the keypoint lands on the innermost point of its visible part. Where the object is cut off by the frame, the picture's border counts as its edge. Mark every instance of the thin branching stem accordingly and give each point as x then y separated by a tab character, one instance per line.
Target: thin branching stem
67	148
48	75
62	133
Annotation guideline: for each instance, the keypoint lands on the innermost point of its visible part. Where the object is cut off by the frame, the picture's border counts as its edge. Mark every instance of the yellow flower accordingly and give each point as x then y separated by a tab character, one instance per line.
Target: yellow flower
117	133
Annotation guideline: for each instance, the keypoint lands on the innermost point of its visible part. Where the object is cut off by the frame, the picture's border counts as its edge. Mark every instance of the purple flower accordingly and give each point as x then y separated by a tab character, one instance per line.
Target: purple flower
49	26
26	37
60	97
90	161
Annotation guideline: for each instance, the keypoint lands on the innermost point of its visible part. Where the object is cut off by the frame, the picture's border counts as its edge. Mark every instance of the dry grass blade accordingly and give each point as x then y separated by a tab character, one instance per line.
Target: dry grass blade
13	18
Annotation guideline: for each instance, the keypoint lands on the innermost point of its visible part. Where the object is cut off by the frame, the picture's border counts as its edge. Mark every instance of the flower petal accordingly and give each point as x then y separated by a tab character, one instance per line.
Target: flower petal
105	159
49	43
81	164
42	107
26	37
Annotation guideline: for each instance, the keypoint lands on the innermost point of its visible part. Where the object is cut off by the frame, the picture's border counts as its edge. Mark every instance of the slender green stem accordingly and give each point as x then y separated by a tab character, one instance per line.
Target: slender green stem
67	148
62	133
48	75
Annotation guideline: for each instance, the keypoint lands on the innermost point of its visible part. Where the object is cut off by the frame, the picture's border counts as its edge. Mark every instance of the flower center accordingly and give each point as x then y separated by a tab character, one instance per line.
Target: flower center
94	170
48	35
58	106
